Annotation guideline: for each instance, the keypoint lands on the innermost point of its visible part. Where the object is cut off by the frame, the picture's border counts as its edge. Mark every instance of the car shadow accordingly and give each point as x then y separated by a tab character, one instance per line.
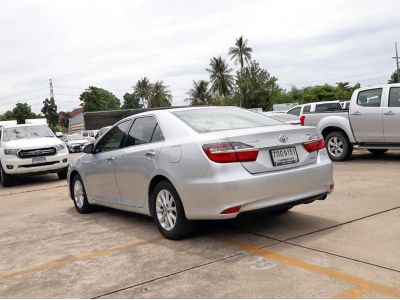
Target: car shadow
392	156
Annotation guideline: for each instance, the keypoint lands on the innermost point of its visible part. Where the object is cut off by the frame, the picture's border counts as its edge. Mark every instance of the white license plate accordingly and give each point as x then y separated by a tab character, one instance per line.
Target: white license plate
284	156
38	160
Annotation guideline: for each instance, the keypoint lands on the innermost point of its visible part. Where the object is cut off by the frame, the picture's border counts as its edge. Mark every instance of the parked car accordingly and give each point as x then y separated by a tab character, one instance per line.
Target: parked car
30	149
372	122
89	135
75	142
102	131
187	164
315	107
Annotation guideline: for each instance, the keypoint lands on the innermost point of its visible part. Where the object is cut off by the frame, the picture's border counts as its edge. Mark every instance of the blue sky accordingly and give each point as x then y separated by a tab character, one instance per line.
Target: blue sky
112	44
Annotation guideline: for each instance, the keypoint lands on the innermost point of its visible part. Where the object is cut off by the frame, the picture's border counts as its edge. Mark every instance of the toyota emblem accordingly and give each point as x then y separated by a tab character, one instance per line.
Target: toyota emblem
283	138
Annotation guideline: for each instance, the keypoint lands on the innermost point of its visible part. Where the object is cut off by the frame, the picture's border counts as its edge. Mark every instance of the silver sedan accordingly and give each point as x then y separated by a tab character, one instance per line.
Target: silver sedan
188	164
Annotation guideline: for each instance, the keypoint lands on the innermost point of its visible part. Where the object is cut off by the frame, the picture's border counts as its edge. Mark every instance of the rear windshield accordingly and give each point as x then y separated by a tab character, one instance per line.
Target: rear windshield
26	132
216	119
328	107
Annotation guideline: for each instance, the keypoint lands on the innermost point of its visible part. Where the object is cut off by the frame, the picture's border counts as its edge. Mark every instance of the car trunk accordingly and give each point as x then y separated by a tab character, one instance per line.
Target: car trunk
280	147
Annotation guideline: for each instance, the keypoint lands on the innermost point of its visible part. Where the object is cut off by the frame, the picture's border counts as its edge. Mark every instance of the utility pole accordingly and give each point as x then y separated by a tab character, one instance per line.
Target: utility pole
51	89
397	63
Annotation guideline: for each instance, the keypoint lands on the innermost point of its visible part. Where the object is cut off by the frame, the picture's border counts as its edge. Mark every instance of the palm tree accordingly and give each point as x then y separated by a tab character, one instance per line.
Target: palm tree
220	76
160	96
199	94
240	53
143	89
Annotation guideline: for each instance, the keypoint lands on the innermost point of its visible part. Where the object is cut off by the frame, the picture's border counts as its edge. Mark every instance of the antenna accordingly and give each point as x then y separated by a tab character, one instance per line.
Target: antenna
51	89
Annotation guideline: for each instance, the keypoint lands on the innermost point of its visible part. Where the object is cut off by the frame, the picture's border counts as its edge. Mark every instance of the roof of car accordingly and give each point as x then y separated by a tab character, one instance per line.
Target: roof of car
20	125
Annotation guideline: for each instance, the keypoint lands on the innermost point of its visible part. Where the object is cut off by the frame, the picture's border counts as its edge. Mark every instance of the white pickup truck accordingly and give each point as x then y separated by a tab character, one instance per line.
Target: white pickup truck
30	149
372	122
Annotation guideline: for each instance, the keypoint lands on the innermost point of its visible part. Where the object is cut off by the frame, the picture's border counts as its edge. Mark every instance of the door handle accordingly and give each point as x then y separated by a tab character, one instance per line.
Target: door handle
111	159
389	113
150	154
357	113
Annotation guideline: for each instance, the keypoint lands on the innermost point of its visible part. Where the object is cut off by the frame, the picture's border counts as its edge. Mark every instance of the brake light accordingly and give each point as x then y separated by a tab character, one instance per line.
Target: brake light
230	152
314	145
302	118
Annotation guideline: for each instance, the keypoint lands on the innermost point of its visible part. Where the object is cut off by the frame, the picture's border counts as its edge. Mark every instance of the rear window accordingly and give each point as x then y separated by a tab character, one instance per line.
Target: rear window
217	119
328	107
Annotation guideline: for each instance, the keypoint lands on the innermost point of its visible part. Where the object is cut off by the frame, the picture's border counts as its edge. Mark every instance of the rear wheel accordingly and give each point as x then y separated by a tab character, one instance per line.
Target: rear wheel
63	174
338	146
6	180
79	197
378	151
168	212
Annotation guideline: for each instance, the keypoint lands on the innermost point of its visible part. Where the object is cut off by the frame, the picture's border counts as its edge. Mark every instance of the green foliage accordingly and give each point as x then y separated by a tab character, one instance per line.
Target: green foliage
50	112
97	99
240	52
142	89
160	96
21	112
258	87
221	79
394	78
199	94
131	101
7	116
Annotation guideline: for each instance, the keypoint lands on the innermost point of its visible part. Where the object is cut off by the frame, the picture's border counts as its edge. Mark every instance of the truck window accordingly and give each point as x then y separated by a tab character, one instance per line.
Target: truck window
370	98
306	109
394	97
328	107
295	111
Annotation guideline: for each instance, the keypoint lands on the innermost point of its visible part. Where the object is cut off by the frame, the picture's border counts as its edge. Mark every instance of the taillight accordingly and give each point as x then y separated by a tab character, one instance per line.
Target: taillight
302	118
314	145
228	152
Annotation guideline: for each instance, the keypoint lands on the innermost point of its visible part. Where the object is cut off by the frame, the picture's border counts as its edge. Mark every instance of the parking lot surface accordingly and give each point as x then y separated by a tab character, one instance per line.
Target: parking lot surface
346	246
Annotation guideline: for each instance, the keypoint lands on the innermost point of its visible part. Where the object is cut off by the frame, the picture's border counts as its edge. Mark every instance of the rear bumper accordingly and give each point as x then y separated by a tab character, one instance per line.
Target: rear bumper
207	197
13	165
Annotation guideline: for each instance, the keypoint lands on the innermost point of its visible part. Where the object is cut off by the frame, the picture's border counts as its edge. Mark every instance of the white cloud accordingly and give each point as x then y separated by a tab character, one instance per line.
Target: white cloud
112	44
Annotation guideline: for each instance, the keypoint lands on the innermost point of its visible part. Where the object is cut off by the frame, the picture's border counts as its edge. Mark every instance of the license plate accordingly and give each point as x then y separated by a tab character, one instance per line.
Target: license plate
284	156
38	160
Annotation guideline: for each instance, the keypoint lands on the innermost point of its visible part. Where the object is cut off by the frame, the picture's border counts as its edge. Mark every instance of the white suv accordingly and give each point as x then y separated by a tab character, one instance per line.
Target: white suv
30	149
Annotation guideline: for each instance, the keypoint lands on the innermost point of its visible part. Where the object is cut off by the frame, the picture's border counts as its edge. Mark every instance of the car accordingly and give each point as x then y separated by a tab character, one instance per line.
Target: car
186	164
30	149
89	135
75	142
315	107
102	131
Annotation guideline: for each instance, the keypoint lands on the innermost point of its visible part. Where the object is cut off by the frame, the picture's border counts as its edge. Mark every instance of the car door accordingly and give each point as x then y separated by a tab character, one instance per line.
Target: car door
136	164
391	116
366	116
100	180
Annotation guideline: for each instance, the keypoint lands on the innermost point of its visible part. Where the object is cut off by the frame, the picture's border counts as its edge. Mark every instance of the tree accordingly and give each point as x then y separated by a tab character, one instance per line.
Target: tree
97	99
7	116
143	89
50	112
220	77
199	94
240	53
160	96
131	100
22	111
258	86
394	78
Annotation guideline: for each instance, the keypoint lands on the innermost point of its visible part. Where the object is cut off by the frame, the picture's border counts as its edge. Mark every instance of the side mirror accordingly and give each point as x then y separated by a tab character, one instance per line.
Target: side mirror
88	149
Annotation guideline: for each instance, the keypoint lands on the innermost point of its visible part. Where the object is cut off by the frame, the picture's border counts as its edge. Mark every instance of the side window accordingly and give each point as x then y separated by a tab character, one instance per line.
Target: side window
295	111
306	109
370	98
157	135
114	139
394	97
142	131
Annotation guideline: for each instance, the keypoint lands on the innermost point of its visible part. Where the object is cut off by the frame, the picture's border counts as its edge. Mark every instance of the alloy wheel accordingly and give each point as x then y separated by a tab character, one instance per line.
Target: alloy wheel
79	194
335	146
166	210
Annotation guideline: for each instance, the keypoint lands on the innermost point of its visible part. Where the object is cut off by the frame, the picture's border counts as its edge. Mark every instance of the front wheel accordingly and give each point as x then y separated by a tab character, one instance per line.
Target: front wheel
63	174
79	196
168	212
378	151
338	146
6	180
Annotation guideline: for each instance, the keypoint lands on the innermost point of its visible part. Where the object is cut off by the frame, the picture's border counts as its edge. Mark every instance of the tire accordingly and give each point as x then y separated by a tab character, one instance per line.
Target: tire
378	151
165	201
63	174
338	146
79	196
6	180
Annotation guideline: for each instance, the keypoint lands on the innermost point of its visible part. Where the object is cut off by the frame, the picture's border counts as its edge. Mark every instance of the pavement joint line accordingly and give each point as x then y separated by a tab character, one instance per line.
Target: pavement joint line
69	261
287	241
176	273
35	190
351	293
324	271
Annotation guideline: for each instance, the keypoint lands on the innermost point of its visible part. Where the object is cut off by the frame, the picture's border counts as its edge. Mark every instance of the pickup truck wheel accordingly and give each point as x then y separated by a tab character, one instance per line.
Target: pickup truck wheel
338	146
378	151
6	180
